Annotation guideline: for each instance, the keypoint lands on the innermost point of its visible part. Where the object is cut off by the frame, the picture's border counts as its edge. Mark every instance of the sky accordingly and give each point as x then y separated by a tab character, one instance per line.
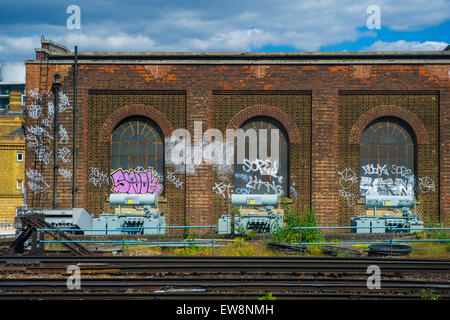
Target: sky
224	26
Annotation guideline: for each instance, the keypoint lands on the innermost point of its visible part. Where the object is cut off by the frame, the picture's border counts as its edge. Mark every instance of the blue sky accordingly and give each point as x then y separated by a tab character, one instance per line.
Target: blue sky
221	26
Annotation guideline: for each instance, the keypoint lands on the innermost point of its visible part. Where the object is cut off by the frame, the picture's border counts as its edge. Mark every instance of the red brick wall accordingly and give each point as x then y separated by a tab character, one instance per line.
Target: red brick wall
323	82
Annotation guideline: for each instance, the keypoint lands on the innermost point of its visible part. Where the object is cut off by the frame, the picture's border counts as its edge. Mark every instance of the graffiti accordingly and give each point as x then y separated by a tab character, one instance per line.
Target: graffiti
34	187
378	170
426	184
401	170
262	167
346	181
33	142
65	173
39	131
173	179
223	189
242	176
43	154
50	109
133	182
34	111
35	94
97	178
380	186
243	190
63	134
64	154
64	103
258	184
47	122
35	175
294	192
350	197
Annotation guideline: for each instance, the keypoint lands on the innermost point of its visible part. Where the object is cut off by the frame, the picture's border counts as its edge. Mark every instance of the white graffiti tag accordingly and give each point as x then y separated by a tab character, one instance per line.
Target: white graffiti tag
65	173
346	181
64	154
34	111
173	179
378	170
63	134
97	178
426	184
223	189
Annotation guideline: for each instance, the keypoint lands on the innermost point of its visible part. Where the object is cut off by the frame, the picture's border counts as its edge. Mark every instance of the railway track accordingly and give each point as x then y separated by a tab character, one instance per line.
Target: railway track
220	277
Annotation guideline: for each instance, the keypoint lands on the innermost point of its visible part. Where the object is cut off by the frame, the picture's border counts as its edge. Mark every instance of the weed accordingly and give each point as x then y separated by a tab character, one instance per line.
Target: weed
429	294
268	296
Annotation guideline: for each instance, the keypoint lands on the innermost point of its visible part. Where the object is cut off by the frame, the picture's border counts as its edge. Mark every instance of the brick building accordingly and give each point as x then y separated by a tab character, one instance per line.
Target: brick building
352	124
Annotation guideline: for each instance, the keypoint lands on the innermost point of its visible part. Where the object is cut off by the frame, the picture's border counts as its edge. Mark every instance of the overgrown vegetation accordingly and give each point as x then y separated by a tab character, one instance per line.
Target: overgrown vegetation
429	294
267	297
293	219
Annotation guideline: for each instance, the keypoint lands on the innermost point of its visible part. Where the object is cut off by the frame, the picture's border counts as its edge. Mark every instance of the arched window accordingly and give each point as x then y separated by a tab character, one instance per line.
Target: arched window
263	175
387	158
137	156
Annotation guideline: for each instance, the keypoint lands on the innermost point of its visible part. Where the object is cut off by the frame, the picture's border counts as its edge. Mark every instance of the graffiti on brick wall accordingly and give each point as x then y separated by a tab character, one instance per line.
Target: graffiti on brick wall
223	188
426	184
36	182
34	111
98	178
65	173
64	154
378	180
172	178
63	103
347	178
293	191
134	182
63	136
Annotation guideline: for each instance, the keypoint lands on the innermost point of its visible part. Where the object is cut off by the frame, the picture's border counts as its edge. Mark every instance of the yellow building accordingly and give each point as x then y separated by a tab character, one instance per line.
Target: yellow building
12	157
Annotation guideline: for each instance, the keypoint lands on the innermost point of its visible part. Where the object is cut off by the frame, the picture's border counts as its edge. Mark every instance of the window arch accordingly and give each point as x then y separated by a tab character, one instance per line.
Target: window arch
387	158
263	175
137	156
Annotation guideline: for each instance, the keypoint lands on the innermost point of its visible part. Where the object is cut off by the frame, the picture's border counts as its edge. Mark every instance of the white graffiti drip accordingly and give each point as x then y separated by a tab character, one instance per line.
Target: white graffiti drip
64	154
426	184
65	173
63	134
34	111
173	179
223	189
97	178
346	181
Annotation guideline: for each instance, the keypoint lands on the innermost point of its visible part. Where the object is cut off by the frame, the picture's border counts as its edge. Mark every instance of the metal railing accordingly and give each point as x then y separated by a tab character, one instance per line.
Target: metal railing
390	241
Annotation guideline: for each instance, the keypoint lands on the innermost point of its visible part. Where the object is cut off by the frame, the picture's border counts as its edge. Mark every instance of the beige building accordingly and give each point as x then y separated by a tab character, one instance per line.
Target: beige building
12	157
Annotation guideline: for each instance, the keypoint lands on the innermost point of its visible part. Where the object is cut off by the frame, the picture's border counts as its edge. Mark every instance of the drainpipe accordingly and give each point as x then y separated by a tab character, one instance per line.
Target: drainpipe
55	88
74	126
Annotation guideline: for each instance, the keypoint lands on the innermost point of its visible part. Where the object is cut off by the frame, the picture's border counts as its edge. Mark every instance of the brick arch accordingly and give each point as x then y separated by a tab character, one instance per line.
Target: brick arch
389	111
134	110
267	111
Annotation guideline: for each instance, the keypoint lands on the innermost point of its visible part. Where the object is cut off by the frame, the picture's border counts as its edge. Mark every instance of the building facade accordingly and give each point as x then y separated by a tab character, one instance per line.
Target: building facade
350	124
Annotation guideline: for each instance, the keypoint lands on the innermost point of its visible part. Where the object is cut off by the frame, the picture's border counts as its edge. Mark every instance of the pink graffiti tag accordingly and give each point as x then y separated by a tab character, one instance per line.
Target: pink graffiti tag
133	182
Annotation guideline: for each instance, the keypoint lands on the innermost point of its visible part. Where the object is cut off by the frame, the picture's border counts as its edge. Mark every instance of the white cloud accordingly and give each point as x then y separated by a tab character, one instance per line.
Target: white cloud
403	45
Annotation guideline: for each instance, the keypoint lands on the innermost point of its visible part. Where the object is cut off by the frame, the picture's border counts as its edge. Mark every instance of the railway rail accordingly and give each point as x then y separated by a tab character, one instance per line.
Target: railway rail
107	277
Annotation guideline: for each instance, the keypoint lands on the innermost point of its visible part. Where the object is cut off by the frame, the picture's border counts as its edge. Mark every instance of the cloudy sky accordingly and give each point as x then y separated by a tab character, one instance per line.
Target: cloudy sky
232	25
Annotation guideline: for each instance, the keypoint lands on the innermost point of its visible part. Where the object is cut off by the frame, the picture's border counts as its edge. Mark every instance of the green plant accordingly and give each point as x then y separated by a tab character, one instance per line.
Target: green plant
293	219
239	247
268	296
429	294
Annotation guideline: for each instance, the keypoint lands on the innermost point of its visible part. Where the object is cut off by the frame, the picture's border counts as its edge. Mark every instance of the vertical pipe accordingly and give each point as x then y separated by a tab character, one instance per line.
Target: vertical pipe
74	126
55	144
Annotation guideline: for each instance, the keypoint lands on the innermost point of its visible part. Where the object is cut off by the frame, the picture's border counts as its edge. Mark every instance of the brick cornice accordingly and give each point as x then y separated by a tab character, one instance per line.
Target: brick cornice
268	111
389	111
134	110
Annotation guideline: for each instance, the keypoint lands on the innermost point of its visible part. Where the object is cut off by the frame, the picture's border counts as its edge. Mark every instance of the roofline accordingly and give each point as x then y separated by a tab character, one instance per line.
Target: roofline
395	57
